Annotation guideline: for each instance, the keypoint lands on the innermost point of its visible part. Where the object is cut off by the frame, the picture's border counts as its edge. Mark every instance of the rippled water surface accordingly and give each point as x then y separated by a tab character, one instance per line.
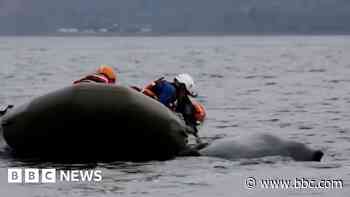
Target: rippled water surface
297	88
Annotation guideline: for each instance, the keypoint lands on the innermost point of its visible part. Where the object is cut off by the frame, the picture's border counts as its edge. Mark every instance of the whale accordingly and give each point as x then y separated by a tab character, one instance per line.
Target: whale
94	122
260	145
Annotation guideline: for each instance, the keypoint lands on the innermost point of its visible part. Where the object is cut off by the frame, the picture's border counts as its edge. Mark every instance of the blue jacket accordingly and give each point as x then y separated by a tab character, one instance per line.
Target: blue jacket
166	92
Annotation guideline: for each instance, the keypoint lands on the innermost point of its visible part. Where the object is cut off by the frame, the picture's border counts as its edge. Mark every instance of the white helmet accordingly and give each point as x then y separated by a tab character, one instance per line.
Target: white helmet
187	80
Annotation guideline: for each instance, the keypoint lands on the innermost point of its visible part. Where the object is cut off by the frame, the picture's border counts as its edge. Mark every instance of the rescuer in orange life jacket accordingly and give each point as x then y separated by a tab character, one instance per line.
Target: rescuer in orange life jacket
104	74
175	95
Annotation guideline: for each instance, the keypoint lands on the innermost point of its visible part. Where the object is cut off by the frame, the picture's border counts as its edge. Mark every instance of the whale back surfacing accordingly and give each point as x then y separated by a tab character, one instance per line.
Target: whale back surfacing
260	145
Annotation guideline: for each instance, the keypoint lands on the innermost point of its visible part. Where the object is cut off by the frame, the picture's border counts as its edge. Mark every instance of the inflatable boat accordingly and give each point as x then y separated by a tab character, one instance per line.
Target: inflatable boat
94	122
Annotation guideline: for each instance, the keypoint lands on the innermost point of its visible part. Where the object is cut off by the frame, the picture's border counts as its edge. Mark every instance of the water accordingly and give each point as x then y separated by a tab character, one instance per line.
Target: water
294	87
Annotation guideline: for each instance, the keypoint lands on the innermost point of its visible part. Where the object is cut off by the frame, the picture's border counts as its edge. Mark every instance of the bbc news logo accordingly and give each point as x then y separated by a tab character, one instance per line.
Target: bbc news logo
31	175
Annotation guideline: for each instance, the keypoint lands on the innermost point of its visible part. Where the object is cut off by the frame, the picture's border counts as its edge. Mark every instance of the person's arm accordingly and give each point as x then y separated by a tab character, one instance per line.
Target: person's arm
188	111
149	89
92	78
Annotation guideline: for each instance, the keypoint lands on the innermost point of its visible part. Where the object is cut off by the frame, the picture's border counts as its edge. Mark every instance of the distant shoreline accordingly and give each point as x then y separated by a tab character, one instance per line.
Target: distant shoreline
204	34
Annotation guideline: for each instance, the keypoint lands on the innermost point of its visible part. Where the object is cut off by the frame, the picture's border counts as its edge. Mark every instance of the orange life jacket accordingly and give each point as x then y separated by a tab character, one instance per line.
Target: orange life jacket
199	111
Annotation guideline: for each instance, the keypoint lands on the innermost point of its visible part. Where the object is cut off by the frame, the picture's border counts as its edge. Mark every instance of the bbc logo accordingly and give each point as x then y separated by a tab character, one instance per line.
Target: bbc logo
31	175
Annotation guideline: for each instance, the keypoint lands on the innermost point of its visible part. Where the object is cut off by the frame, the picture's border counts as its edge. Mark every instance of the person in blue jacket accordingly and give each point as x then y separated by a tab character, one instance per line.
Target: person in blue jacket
175	95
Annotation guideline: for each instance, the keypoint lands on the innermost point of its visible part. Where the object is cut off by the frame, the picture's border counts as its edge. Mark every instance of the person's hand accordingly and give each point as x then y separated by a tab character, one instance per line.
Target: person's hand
149	93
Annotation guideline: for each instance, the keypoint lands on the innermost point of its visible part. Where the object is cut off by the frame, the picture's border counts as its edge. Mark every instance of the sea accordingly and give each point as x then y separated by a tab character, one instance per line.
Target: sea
292	87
